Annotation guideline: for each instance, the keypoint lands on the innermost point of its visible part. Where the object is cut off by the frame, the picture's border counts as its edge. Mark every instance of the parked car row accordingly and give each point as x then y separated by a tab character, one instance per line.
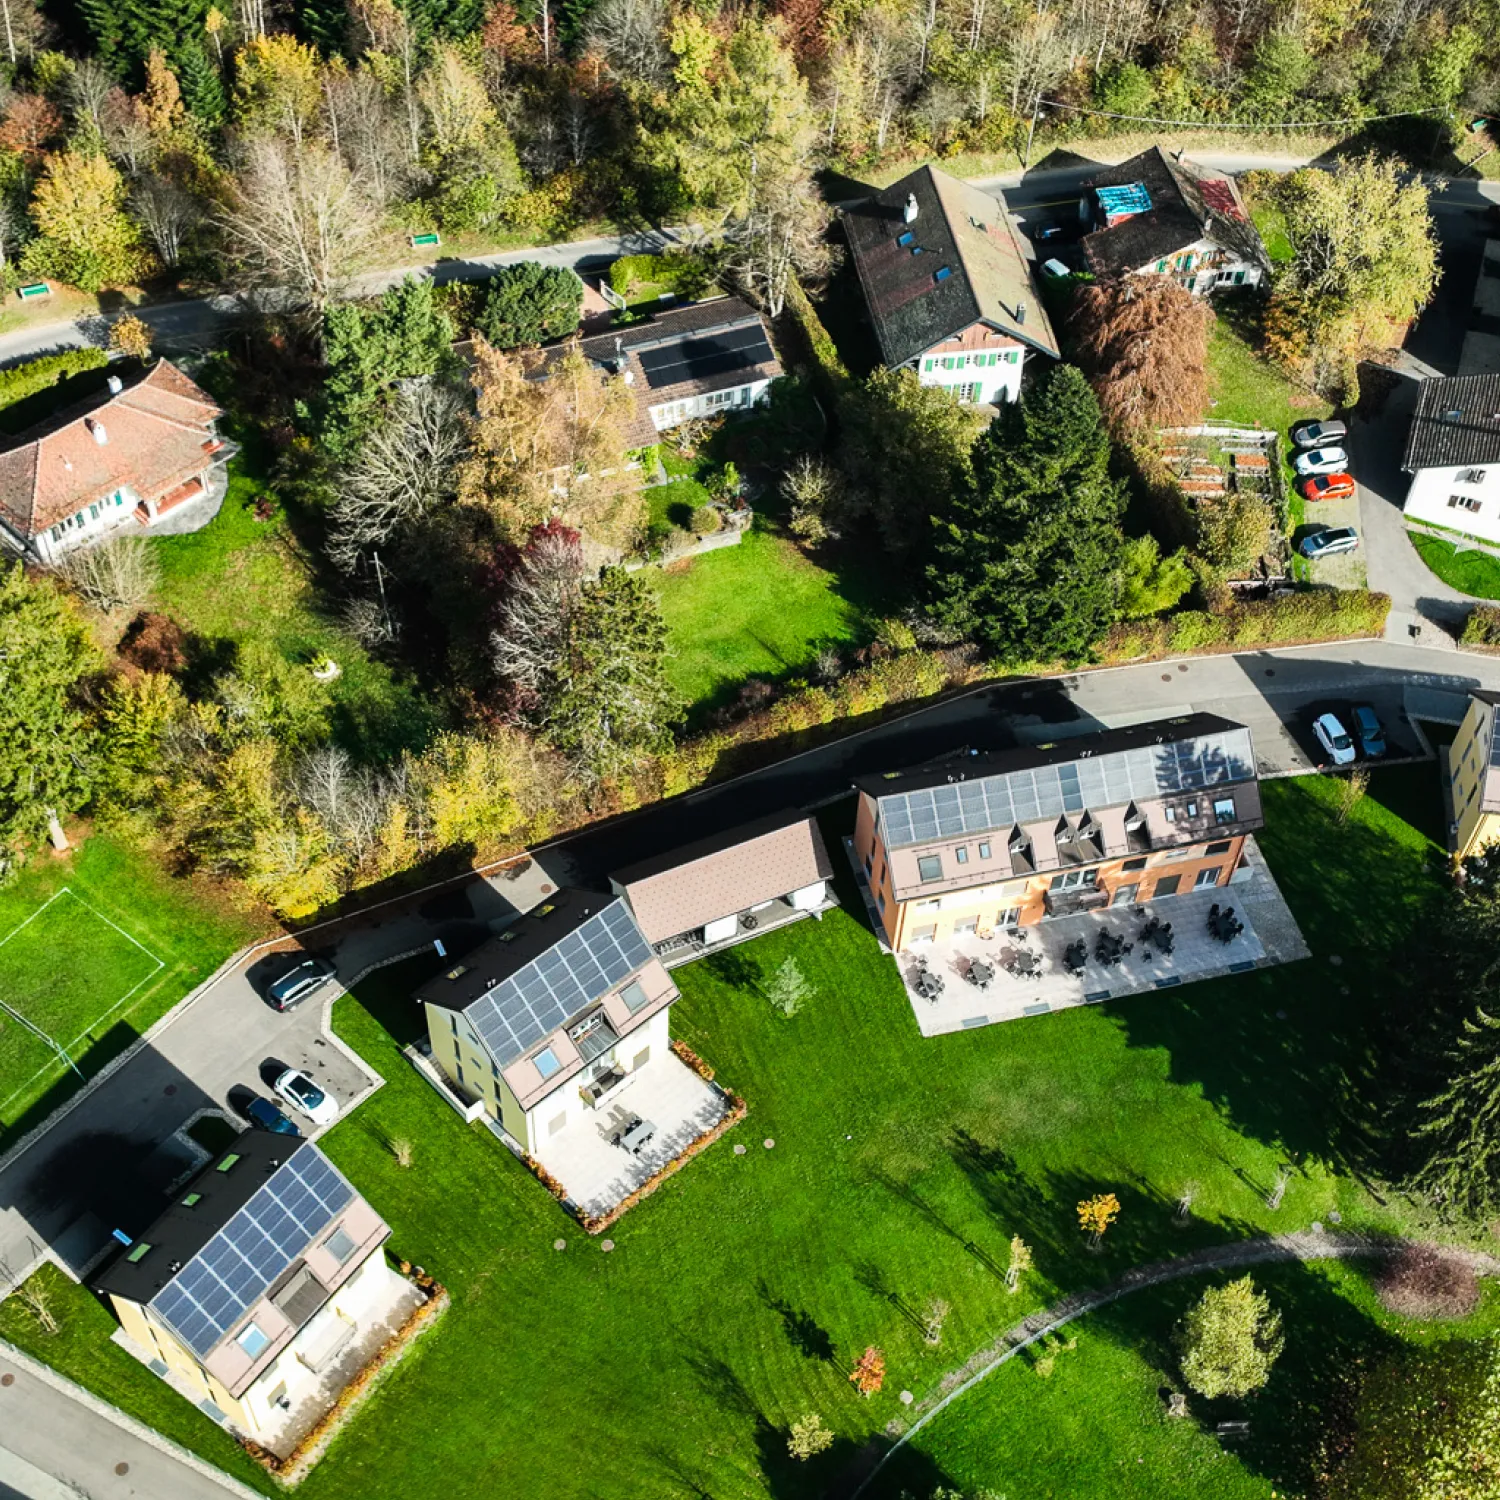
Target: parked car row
1321	462
1342	747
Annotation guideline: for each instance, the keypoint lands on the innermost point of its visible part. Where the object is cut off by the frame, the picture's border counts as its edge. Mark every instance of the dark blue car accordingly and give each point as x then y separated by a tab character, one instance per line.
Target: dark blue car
1367	727
264	1115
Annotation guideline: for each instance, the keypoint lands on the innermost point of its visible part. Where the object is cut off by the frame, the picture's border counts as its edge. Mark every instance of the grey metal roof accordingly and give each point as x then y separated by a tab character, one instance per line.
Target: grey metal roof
578	969
985	804
215	1289
1457	421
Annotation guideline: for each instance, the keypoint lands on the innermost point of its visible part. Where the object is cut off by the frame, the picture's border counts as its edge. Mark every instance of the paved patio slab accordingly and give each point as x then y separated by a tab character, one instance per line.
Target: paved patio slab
1271	936
598	1174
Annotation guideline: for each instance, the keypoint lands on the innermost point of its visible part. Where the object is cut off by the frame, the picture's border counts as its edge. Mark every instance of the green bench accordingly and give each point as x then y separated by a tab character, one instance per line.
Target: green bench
424	241
33	291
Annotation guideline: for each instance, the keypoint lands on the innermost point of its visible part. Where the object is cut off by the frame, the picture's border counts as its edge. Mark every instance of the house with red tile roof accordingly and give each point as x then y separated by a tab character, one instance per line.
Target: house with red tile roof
119	461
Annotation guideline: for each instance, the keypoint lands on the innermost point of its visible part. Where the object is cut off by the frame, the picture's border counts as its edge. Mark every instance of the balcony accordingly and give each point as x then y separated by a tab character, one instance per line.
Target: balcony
1081	898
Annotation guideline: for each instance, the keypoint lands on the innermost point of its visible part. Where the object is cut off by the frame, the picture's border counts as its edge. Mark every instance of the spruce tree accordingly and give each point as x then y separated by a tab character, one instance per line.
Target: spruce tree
202	87
1027	553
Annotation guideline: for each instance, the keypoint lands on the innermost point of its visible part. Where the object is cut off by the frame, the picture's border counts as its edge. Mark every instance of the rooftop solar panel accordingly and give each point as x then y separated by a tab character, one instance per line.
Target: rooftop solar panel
985	804
210	1294
538	998
704	355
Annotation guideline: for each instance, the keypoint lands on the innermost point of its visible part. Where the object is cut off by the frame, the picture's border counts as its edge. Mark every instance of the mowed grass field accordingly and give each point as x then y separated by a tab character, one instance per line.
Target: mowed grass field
736	1299
95	945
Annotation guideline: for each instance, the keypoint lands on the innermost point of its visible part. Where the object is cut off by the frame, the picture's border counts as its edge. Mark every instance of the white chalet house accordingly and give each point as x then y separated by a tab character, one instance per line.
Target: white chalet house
1453	456
1159	216
949	290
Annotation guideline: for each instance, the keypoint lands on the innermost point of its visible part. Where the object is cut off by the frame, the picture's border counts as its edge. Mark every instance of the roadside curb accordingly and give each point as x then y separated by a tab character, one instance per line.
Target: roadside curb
85	1398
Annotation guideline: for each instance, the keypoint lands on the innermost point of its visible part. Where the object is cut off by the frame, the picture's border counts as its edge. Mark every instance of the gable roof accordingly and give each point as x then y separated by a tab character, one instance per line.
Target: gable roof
1457	421
724	873
1182	198
992	792
158	431
208	1264
958	227
553	962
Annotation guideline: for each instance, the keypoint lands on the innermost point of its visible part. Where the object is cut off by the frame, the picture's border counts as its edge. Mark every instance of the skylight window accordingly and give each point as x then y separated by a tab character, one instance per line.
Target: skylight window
192	1200
905	238
546	1062
138	1253
229	1162
942	273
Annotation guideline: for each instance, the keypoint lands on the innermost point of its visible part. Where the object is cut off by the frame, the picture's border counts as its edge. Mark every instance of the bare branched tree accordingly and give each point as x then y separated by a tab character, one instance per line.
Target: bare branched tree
783	230
33	1296
631	35
368	133
22	29
127	135
406	466
297	221
118	574
540	597
85	90
167	213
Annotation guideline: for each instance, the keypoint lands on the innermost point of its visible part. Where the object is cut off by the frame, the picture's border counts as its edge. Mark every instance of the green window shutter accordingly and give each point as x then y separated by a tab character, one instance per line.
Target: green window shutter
1161	265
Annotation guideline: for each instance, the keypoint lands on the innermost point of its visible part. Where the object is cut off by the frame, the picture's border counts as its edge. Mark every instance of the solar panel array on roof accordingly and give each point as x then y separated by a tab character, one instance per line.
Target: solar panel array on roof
702	356
538	998
232	1271
992	802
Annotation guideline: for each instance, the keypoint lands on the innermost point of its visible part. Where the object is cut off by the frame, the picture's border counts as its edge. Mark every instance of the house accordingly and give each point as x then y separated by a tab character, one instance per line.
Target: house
1160	215
982	841
1474	777
949	290
542	1023
683	362
143	446
729	887
1453	455
262	1290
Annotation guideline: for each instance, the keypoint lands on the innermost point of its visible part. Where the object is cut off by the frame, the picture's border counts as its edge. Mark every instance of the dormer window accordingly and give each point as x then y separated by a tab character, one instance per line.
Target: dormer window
1135	819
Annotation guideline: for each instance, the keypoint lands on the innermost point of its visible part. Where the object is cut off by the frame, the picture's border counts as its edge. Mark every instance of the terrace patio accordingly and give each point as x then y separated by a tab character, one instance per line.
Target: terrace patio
1270	936
596	1173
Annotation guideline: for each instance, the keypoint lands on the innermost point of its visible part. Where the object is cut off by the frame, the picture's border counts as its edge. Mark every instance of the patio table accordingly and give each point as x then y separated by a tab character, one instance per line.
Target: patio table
637	1136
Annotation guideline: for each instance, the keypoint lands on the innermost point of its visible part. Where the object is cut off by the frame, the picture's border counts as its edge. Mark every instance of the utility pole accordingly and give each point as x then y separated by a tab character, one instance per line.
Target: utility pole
1036	109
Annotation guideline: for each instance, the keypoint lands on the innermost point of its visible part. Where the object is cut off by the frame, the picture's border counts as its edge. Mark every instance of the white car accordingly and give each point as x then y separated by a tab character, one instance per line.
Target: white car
1333	737
1056	269
1321	461
303	1094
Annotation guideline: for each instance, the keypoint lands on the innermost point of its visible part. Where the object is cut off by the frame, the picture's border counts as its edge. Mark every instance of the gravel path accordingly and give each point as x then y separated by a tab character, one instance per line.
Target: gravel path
1305	1245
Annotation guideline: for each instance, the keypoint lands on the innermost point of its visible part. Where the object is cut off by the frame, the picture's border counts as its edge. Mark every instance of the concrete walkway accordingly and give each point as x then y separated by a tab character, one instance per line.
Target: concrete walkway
1300	1245
57	1440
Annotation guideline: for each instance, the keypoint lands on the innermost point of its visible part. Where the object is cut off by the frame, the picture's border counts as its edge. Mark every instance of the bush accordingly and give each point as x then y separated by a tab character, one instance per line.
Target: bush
530	303
674	270
1482	628
1229	1340
21	381
1426	1281
705	520
119	573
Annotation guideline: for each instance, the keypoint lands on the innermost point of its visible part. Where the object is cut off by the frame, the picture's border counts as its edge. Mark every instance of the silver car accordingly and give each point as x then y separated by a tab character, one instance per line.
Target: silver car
1315	434
1321	461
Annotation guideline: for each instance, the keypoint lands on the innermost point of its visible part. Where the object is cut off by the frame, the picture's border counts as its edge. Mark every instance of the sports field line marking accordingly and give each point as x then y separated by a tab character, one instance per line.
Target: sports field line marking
68	1046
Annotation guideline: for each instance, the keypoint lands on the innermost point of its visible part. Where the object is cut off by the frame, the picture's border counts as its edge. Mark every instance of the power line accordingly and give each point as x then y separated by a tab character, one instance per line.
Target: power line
1404	114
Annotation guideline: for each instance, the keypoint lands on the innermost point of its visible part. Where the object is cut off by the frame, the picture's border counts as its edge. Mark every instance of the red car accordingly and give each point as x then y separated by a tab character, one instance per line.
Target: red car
1327	487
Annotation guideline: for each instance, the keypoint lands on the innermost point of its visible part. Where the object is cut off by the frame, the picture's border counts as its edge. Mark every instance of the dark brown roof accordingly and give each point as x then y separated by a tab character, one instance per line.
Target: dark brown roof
959	230
1457	421
1183	198
158	433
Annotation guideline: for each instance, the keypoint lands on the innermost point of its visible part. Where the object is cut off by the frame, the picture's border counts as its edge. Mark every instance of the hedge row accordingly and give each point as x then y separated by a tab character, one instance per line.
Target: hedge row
830	375
21	381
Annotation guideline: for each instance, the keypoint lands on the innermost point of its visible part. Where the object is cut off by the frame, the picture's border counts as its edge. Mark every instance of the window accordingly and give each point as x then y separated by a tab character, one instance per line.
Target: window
984	849
192	1200
1472	476
1161	265
1192	809
1167	885
1463	502
453	1023
927	364
634	996
1124	894
966	927
1224	810
138	1253
869	862
930	867
1071	879
1222	847
880	901
948	362
1013	356
558	1122
640	1059
227	1165
546	1062
1169	813
341	1244
969	392
924	934
905	238
961	854
934	903
942	274
1134	864
459	1069
1009	918
251	1339
1209	876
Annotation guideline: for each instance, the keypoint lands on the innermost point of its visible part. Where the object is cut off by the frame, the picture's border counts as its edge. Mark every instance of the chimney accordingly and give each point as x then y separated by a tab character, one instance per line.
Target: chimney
1208	227
909	213
97	428
1020	314
116	385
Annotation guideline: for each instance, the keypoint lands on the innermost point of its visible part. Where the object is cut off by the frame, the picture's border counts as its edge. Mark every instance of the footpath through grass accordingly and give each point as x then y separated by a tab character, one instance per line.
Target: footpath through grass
737	1298
95	946
1469	572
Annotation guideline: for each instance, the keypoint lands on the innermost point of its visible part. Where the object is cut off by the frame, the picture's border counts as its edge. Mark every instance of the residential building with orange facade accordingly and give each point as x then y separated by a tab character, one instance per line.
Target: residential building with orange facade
982	841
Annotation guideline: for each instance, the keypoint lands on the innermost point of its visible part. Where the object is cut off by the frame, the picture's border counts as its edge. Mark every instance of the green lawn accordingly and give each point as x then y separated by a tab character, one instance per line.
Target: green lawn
93	948
241	579
737	1297
1469	572
761	609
